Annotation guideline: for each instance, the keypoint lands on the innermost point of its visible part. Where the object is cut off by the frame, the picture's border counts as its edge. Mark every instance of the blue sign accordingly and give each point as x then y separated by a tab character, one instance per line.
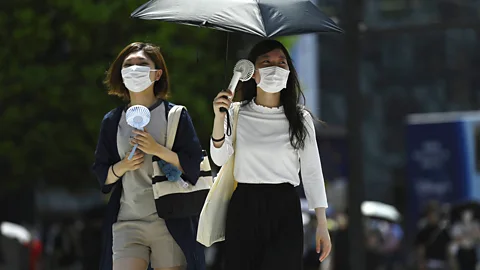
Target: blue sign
435	166
471	127
441	161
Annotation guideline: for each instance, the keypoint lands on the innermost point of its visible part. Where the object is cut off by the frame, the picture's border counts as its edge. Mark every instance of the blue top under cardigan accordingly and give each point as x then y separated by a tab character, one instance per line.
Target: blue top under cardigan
189	151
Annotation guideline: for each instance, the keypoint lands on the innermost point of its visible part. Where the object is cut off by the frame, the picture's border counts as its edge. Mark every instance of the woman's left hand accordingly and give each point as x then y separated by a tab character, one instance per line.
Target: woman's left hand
146	143
324	245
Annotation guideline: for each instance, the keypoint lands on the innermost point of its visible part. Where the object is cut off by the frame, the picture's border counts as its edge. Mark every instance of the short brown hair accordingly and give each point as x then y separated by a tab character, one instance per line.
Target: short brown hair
114	80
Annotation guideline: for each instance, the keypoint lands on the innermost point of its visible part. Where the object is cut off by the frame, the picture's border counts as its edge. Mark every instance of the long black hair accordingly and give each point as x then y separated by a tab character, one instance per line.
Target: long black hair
290	97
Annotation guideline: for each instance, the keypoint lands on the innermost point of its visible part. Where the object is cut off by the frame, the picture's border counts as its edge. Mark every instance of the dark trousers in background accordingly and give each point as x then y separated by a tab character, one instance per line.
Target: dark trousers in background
467	258
264	229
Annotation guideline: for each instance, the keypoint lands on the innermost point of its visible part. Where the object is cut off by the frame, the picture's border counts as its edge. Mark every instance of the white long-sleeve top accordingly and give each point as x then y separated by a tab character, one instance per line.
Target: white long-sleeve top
264	155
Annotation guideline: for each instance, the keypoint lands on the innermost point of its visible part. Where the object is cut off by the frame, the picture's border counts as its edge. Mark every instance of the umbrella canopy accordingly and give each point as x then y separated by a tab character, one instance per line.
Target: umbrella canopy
265	18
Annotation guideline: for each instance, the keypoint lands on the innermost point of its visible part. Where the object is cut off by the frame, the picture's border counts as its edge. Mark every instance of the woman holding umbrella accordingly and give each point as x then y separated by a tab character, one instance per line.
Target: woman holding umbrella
275	141
139	76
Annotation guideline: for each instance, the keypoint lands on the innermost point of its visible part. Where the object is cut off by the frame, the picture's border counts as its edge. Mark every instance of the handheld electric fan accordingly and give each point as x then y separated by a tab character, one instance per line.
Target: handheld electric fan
138	117
242	71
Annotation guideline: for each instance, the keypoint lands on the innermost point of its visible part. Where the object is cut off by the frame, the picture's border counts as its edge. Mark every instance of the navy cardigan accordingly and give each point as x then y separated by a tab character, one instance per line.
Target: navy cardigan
189	151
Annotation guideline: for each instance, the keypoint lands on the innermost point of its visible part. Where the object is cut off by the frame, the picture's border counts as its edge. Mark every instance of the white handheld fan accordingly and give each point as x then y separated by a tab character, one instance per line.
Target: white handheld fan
138	117
243	71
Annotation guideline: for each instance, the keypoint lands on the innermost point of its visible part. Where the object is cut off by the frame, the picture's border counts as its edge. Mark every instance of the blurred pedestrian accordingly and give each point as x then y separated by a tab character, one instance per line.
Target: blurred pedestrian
466	236
432	241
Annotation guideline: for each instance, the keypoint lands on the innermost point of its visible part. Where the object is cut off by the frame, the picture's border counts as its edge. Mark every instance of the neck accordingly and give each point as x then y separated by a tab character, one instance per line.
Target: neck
270	100
145	98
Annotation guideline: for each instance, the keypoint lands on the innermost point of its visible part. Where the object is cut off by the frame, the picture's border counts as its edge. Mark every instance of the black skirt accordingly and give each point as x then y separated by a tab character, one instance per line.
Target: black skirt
264	228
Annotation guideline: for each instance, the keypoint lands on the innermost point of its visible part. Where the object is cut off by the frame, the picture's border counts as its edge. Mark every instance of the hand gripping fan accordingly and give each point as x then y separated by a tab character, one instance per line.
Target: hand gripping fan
138	117
243	71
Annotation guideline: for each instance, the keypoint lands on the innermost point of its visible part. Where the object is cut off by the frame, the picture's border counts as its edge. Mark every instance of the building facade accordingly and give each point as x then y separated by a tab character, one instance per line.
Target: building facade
417	56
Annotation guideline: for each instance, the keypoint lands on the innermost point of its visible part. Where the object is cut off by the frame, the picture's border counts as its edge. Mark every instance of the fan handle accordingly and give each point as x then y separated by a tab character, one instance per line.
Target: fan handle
133	150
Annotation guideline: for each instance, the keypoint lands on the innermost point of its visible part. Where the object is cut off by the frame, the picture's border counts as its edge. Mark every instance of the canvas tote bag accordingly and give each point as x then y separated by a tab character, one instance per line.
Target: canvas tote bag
211	227
179	199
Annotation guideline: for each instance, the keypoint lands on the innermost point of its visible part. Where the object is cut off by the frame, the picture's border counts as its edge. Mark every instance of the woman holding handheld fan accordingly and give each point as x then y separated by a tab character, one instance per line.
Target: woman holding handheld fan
134	234
275	140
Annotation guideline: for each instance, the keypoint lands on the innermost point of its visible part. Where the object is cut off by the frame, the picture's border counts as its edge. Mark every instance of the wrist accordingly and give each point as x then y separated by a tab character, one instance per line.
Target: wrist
322	223
219	119
158	150
118	170
321	216
218	139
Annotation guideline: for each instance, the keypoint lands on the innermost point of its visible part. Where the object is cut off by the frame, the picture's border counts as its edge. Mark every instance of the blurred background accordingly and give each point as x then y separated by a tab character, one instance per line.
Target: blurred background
399	101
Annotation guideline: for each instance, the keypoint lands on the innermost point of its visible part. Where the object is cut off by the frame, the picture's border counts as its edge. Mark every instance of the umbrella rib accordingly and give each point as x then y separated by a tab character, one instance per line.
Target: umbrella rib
232	28
261	17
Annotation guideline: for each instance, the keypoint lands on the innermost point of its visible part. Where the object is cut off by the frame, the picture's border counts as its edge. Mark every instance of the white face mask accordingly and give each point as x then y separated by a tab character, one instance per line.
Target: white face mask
137	78
273	79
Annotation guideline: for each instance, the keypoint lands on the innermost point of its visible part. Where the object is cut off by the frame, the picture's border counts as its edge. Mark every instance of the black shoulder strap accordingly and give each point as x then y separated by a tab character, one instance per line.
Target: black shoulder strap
167	109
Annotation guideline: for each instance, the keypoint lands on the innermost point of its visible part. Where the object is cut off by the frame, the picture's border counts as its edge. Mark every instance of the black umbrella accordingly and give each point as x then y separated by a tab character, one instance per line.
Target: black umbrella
265	18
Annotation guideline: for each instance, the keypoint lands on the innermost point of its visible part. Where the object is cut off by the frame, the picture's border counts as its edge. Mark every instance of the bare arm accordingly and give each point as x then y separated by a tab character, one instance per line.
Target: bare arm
320	212
323	242
111	178
168	156
221	147
221	102
117	170
218	130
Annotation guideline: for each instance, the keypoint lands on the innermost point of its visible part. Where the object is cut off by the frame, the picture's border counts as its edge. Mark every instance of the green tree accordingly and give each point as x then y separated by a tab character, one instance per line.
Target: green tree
55	54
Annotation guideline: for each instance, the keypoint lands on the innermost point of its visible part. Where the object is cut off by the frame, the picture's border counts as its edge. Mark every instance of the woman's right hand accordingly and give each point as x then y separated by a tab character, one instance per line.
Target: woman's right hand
135	163
222	100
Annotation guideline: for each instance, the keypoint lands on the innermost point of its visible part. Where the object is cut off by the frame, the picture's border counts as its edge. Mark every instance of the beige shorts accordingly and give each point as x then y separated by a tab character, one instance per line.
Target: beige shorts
147	240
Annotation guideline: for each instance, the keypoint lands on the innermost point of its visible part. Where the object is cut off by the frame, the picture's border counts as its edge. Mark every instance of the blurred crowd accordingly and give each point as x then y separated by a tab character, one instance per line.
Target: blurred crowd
383	242
447	238
59	243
